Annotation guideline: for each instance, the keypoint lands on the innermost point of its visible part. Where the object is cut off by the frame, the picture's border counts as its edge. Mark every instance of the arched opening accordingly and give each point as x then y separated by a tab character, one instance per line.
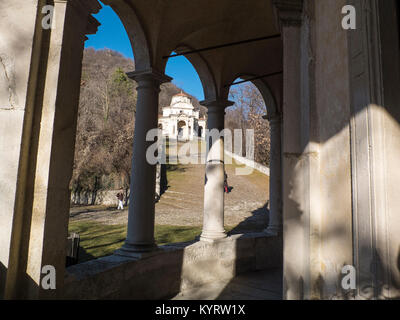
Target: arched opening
103	147
181	129
181	115
249	151
103	153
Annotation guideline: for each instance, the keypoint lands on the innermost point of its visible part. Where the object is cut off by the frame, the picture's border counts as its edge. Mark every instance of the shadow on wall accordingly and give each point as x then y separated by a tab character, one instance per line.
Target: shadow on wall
335	113
296	286
375	278
378	279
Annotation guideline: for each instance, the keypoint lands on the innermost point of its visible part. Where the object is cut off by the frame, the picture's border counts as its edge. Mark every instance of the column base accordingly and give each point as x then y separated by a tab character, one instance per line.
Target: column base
272	231
212	236
136	251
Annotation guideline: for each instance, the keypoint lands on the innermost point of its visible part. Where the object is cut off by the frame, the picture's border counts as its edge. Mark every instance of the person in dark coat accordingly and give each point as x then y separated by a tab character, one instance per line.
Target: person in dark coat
226	187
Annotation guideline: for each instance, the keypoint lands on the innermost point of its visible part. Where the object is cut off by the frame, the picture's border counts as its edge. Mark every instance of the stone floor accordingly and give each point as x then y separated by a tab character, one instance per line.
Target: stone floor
257	285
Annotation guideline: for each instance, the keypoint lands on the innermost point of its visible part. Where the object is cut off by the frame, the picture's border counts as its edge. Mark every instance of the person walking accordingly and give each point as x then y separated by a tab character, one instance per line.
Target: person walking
120	196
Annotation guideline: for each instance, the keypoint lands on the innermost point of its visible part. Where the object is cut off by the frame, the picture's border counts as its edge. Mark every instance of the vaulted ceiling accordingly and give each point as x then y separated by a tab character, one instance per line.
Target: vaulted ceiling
159	27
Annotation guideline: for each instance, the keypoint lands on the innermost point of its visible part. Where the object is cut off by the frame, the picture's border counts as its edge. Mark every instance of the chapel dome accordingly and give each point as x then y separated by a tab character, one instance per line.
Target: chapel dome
182	100
181	94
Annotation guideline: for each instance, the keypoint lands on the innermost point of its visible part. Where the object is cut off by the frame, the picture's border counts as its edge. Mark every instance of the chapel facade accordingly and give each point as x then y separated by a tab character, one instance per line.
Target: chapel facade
180	121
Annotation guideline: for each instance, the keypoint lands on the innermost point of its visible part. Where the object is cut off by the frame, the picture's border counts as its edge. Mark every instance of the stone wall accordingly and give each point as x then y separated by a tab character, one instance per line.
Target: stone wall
103	197
249	163
16	50
330	193
175	267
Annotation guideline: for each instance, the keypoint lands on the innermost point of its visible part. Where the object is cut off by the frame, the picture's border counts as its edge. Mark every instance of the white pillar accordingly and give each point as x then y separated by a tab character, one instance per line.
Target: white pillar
275	182
140	235
213	219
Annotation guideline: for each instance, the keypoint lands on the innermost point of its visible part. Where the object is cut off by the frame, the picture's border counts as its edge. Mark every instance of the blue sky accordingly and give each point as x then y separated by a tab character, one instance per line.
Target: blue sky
111	34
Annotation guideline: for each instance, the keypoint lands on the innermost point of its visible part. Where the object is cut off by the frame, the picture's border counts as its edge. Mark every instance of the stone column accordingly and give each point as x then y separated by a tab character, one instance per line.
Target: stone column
295	242
213	219
275	181
13	105
158	182
140	236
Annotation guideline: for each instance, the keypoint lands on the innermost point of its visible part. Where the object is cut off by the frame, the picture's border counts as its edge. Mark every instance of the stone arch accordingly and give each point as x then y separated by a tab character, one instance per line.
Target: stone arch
265	90
202	68
137	37
181	125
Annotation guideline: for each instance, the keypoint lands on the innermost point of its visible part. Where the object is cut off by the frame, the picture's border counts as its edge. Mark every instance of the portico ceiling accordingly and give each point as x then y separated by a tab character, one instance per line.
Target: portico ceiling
159	27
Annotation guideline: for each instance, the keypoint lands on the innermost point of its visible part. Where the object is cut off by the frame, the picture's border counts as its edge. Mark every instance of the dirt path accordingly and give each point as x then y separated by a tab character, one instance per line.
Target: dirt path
182	203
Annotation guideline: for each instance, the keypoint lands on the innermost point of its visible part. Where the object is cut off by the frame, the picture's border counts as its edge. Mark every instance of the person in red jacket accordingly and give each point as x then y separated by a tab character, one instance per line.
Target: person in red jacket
226	187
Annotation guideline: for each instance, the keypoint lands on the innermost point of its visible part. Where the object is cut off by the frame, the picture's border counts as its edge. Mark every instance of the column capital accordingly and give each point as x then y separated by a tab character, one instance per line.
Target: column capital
85	9
216	105
92	25
273	118
90	6
148	75
289	12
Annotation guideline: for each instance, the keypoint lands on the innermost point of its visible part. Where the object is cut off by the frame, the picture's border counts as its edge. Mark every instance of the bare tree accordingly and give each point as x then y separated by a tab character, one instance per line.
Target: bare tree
247	114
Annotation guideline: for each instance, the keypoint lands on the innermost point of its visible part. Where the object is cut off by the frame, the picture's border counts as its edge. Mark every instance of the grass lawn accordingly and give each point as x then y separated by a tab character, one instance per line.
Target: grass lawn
98	240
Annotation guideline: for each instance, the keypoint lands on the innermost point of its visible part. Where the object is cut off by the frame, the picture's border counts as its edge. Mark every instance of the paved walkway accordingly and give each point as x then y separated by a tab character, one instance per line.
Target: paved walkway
257	285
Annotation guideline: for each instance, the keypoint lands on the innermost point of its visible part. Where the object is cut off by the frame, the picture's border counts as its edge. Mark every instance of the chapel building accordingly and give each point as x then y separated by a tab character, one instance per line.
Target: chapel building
180	121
